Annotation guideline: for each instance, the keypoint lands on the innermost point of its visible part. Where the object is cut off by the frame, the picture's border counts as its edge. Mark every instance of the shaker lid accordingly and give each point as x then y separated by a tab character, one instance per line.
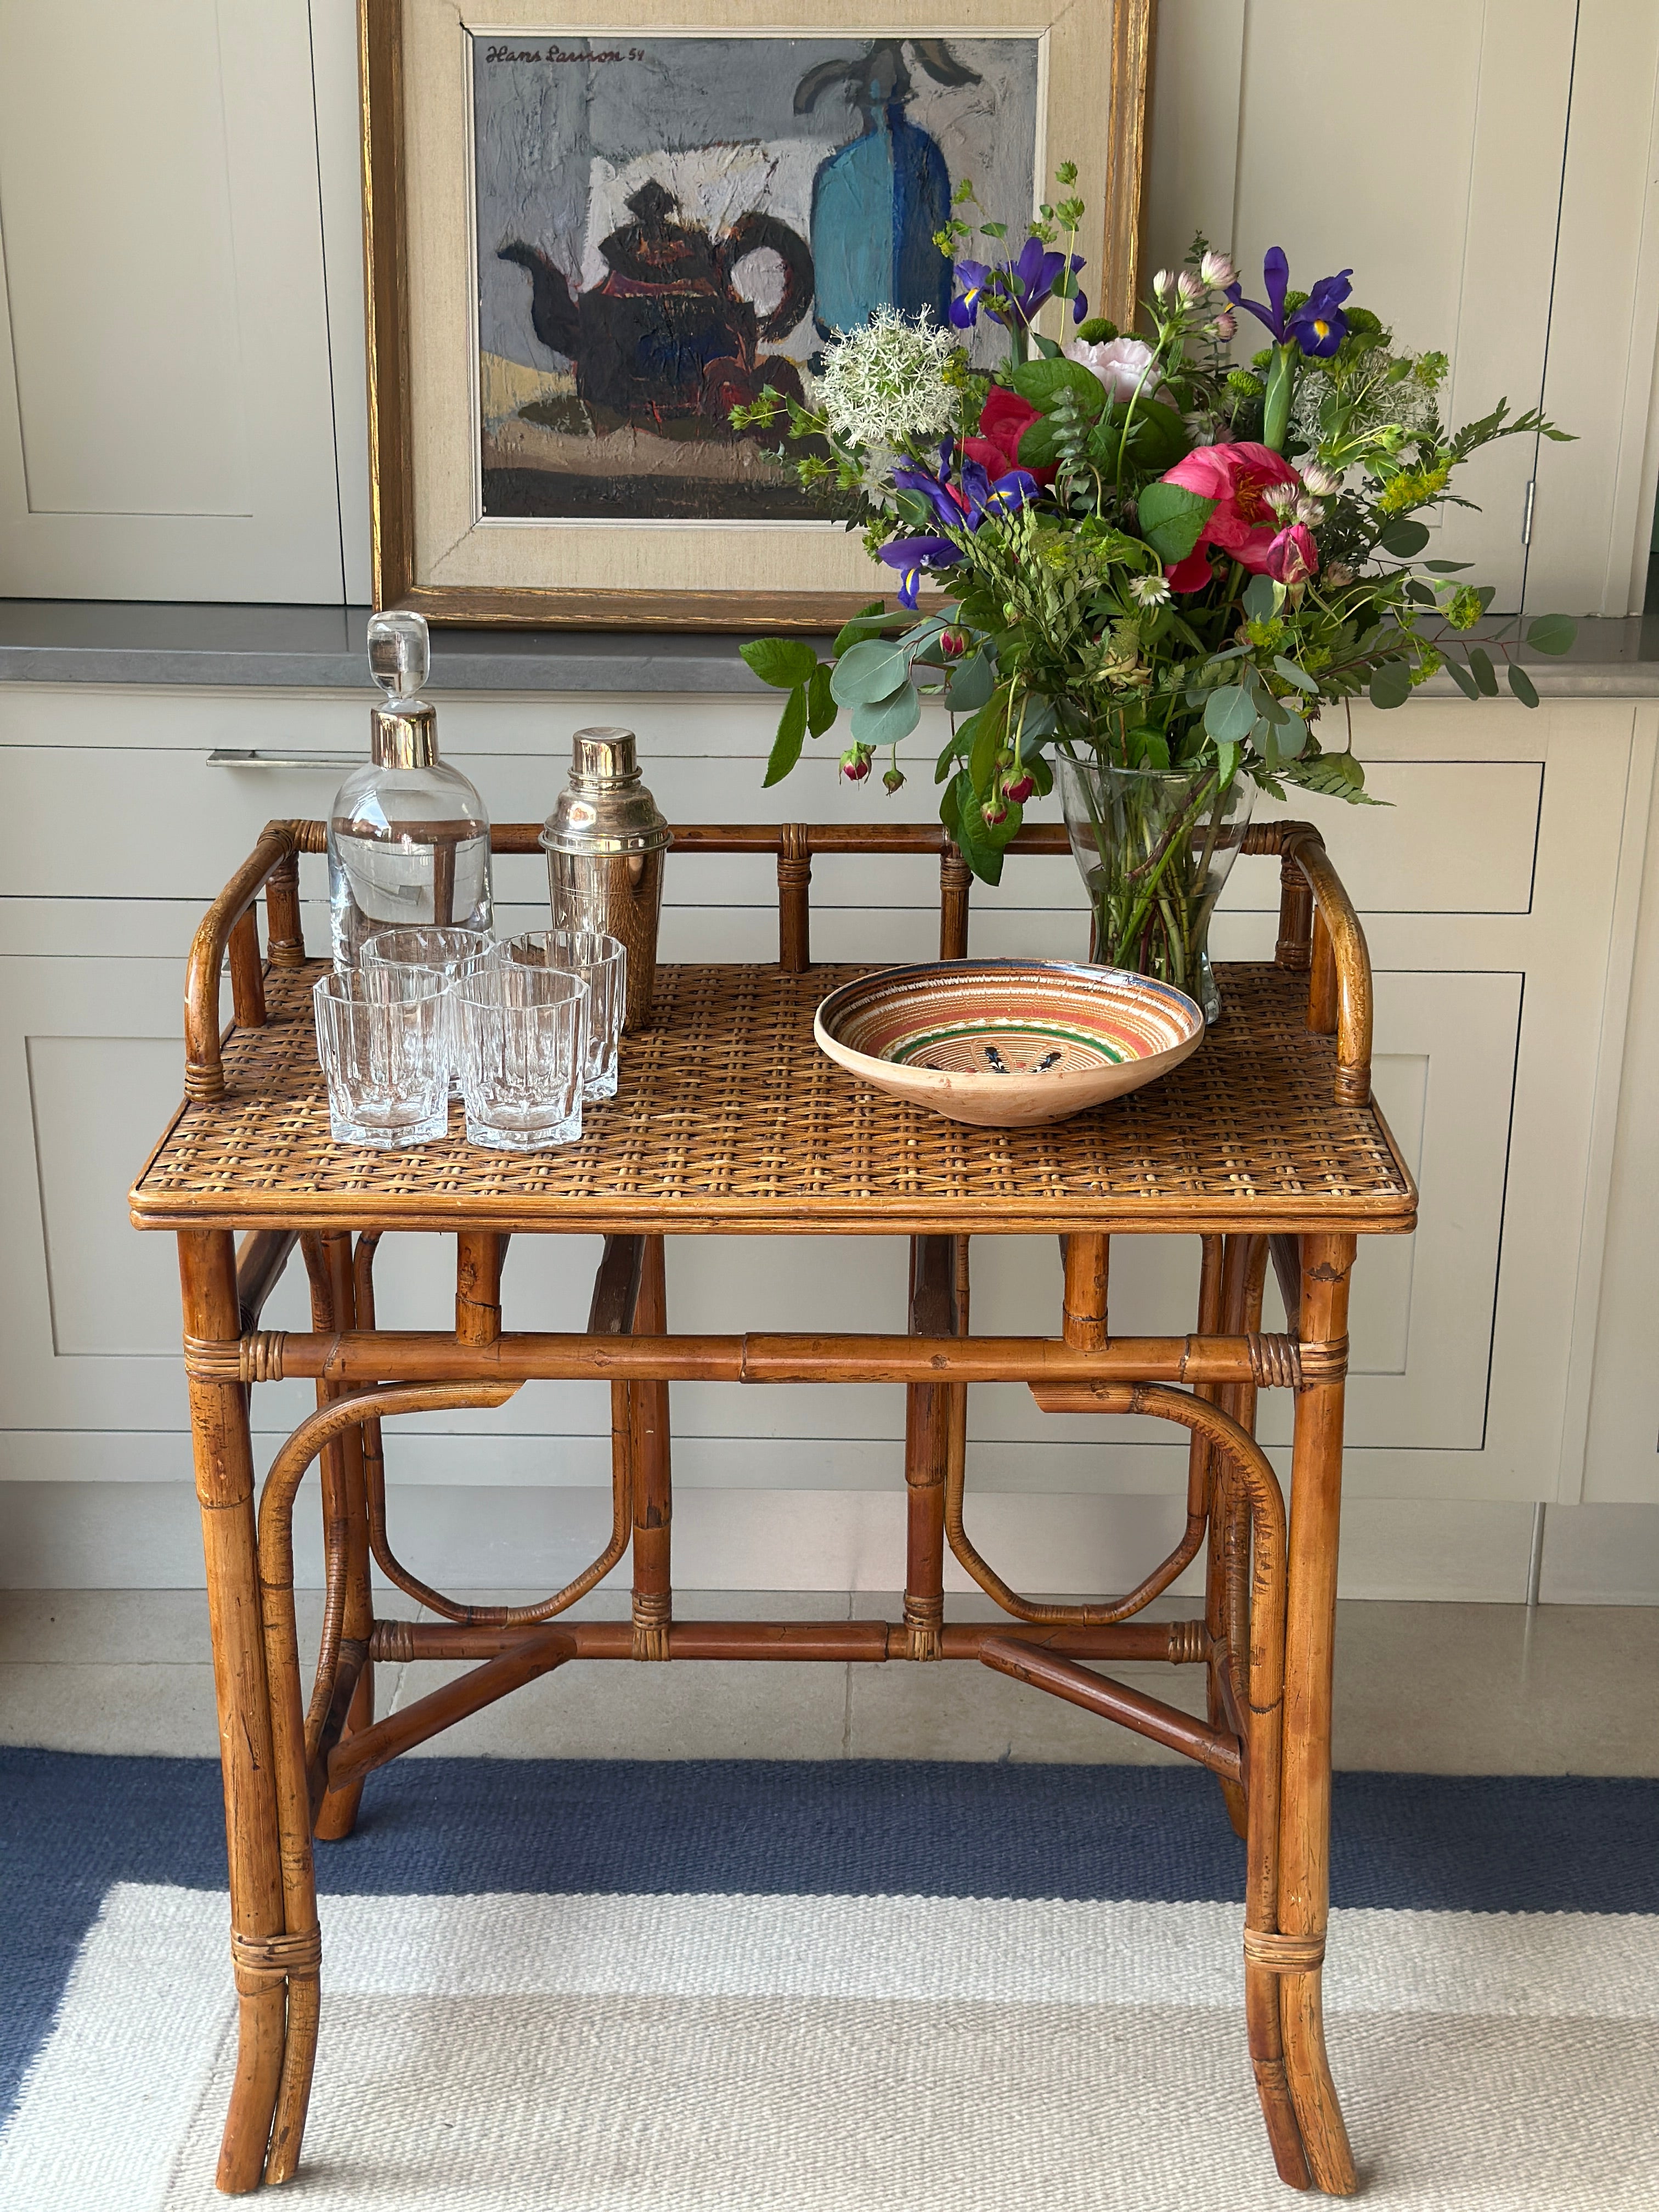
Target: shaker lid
604	808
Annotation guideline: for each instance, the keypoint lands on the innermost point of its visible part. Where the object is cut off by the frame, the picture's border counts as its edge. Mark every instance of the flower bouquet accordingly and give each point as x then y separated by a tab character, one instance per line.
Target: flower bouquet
1166	570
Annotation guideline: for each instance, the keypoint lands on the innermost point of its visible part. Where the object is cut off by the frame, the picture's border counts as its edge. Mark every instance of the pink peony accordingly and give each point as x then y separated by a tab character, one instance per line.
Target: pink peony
1242	523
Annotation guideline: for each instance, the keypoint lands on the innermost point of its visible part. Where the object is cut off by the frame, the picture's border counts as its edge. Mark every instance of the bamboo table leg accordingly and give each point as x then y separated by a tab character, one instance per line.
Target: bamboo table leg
224	1486
1305	1808
346	1522
933	1413
653	1493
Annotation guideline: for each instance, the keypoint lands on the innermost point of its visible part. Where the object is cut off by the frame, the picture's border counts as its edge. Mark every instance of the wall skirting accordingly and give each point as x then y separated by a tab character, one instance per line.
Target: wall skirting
97	1535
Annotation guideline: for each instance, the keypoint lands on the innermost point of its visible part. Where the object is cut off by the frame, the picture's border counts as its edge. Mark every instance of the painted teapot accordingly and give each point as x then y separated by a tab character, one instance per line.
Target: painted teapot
665	336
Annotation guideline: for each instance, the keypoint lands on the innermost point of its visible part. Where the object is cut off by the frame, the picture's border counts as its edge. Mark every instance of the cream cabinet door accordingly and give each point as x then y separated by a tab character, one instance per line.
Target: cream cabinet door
166	418
90	1072
1440	186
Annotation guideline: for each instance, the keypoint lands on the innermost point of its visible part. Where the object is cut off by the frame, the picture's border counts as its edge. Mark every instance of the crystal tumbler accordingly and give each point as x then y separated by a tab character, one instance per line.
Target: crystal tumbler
601	962
383	1042
521	1056
443	955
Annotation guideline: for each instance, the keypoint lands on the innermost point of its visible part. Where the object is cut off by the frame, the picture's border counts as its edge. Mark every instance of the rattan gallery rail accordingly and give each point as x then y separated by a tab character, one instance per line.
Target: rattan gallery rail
729	1120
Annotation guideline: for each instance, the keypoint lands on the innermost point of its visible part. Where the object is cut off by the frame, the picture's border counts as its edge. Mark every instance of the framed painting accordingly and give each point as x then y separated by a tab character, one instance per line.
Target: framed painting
592	233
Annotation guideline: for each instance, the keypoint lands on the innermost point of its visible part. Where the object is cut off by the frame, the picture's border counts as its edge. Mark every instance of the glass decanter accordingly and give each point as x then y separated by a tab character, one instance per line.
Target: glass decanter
408	836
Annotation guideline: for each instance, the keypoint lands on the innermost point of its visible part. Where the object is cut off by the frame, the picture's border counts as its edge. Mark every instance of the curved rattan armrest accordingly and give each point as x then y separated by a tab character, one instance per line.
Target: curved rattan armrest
1319	931
229	923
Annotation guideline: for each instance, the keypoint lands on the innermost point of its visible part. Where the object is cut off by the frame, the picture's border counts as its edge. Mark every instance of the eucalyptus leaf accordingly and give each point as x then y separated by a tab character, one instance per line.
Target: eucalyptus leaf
1552	634
1261	601
1404	538
1461	678
783	662
786	746
1522	685
1391	684
1292	674
1230	714
870	622
972	682
886	722
866	672
1446	568
1481	669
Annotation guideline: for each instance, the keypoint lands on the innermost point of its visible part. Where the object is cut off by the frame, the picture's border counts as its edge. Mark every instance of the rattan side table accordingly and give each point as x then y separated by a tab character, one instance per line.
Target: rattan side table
729	1120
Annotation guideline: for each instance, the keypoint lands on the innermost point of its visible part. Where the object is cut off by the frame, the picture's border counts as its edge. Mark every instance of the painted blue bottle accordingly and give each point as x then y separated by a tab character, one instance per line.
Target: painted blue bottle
878	201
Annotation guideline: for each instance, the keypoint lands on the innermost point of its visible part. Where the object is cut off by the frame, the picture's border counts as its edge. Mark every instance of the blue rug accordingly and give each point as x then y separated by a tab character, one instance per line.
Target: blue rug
779	1916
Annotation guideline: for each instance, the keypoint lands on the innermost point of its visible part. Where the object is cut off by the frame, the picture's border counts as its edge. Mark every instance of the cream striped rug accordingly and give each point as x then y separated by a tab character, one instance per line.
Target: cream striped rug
914	2023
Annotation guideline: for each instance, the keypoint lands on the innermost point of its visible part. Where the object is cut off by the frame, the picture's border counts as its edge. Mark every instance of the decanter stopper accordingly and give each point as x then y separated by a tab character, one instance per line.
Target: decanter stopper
400	653
404	733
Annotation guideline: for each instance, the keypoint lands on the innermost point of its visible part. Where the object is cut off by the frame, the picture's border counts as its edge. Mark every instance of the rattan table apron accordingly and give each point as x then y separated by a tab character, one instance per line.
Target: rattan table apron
728	1121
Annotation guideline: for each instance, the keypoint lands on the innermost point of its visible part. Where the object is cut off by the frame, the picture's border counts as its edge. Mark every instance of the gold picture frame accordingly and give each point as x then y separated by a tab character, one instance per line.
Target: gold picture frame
436	548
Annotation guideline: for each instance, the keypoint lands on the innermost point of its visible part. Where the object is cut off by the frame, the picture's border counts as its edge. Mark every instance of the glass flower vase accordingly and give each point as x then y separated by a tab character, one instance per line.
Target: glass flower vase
1154	849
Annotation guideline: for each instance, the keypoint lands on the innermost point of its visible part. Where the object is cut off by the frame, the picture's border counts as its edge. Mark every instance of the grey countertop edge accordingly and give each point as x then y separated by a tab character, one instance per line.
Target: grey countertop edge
236	647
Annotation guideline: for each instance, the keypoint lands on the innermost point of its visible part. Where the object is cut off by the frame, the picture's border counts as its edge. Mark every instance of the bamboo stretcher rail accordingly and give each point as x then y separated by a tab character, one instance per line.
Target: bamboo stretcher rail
1319	931
365	1356
1115	1701
1176	1643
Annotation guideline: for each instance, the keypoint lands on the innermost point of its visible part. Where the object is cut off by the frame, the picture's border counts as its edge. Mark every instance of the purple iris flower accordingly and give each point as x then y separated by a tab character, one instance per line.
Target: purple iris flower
910	556
1318	325
961	505
973	277
1012	291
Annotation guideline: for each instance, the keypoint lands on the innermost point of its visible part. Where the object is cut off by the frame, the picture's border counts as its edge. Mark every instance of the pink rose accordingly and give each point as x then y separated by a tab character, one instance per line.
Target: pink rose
1120	364
1292	558
1003	422
1242	523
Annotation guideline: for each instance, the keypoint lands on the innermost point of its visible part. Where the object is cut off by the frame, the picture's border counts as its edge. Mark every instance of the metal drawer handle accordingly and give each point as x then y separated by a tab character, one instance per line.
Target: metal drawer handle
232	757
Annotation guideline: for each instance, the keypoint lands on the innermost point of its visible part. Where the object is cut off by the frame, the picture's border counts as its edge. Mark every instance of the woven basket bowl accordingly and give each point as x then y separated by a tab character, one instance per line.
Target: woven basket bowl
1005	1043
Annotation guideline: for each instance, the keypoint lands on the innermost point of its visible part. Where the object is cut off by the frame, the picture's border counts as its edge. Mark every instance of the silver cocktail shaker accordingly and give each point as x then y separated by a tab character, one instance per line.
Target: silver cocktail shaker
604	842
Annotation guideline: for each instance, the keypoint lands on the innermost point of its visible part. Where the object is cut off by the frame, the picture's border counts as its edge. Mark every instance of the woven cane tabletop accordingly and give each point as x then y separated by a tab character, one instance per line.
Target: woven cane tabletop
729	1119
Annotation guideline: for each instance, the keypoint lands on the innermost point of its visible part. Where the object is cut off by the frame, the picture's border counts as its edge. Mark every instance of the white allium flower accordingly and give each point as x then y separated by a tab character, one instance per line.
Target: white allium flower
1322	483
1189	288
1150	591
1281	497
1119	363
1217	271
885	386
1163	284
1310	511
1225	325
1408	407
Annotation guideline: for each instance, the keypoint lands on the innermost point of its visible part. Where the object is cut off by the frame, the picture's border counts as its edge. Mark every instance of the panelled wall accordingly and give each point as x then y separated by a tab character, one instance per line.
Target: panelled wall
1501	893
181	402
181	417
